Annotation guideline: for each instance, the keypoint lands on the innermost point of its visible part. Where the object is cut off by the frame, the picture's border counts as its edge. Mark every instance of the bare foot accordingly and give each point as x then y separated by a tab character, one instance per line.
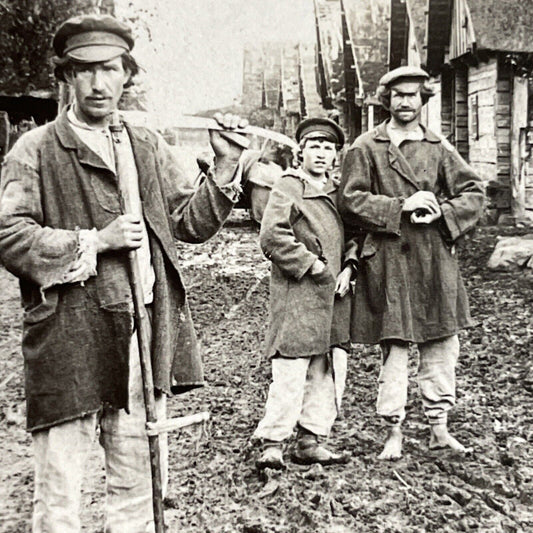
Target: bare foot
440	439
393	445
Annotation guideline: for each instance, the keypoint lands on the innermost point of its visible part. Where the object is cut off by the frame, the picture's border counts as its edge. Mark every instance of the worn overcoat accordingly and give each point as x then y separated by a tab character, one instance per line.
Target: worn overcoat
300	224
409	286
76	336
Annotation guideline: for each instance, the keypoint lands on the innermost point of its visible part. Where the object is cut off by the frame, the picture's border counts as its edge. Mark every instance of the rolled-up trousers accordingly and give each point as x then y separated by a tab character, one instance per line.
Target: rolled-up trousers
61	453
436	379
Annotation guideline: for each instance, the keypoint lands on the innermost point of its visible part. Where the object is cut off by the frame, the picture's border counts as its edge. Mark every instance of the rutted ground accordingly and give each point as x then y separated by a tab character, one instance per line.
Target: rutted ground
214	484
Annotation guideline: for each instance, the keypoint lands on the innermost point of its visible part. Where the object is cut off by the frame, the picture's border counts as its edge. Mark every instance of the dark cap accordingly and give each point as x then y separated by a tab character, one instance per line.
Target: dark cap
92	38
403	73
320	128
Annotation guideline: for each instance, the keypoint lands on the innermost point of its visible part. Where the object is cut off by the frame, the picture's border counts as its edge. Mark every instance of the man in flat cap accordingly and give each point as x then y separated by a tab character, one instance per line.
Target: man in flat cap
414	196
64	233
302	235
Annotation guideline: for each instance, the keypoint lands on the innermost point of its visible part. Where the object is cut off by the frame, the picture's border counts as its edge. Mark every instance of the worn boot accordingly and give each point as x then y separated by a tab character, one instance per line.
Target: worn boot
271	456
308	451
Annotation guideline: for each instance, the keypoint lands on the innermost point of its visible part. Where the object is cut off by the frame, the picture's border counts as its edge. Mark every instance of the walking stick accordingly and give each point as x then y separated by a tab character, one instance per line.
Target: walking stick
142	325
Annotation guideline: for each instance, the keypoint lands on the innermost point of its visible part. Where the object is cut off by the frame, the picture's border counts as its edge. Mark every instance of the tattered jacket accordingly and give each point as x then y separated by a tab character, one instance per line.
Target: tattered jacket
299	225
76	336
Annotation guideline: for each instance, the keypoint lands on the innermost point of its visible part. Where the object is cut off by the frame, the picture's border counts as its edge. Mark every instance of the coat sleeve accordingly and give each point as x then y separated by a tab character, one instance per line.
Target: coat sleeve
351	253
463	206
277	239
358	205
28	249
197	213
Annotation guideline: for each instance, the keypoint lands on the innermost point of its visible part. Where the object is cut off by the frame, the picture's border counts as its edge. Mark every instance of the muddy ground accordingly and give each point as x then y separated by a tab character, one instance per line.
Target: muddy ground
214	484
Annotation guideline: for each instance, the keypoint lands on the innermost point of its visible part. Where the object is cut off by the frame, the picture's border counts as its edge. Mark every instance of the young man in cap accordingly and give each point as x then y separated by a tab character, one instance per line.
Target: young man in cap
64	233
415	197
302	235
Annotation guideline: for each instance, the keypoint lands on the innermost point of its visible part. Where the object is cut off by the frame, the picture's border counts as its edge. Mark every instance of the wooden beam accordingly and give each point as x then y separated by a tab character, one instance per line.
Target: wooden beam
518	131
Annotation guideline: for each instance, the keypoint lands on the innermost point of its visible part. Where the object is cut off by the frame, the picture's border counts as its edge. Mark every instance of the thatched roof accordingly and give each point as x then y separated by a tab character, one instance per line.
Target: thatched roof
498	25
505	25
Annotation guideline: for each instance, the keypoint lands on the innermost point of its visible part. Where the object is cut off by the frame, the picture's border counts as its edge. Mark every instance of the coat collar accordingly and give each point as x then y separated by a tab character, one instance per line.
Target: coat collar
381	134
310	190
68	138
397	160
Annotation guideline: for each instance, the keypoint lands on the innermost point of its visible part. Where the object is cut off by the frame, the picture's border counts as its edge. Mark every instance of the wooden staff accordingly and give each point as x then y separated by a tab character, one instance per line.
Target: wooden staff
142	325
144	333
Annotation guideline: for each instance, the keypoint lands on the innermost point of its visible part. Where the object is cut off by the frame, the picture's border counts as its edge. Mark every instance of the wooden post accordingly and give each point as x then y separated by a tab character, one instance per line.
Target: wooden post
370	117
5	128
518	122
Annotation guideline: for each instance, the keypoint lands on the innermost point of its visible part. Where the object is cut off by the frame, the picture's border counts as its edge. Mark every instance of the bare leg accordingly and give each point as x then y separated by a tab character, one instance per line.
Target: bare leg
440	438
393	445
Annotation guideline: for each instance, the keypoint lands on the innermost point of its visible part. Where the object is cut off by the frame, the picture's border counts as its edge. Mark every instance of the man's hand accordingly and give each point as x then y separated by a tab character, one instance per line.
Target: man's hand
422	200
222	146
317	267
342	285
125	232
422	216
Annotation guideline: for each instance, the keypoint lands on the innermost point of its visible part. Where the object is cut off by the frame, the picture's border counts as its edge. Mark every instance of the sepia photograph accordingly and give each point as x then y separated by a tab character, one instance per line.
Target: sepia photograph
266	266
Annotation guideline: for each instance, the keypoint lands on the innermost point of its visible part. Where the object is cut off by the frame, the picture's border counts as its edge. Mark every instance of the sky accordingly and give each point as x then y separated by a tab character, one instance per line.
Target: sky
191	50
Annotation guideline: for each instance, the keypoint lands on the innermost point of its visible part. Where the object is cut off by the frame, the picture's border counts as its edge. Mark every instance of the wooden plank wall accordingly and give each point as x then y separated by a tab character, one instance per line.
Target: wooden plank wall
460	109
446	104
482	137
503	134
529	150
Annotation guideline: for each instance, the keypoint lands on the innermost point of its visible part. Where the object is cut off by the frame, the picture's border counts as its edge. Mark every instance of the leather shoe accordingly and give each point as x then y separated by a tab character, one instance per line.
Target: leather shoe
309	451
318	454
271	457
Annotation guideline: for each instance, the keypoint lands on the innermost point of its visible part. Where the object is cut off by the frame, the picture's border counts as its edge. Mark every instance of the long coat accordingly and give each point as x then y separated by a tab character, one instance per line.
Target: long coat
409	286
76	336
299	225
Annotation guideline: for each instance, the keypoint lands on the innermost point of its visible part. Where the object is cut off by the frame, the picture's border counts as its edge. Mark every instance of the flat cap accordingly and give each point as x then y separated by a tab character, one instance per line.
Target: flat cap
314	128
92	38
403	73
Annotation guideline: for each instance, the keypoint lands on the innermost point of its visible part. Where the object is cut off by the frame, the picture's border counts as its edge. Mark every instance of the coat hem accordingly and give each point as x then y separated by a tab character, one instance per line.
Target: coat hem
40	427
412	339
271	355
184	387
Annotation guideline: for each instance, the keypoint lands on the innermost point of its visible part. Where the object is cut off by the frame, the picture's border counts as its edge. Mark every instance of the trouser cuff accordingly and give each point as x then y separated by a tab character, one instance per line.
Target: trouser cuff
392	421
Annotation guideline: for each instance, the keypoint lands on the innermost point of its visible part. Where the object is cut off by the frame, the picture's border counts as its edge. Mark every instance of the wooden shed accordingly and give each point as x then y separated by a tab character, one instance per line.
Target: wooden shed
348	76
482	53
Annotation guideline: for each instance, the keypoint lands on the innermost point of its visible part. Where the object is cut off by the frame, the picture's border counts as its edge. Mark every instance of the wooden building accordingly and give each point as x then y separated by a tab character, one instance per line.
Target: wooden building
348	75
279	84
481	51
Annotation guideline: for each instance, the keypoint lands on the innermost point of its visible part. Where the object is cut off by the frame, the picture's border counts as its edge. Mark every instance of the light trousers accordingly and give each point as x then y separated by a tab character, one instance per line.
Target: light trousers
304	392
61	453
436	379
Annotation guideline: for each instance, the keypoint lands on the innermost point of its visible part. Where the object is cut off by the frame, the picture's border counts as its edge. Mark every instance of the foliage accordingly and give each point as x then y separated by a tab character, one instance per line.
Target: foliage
27	28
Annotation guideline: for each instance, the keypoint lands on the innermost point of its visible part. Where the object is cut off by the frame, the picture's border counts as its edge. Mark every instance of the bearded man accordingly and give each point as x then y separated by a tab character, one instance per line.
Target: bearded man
414	196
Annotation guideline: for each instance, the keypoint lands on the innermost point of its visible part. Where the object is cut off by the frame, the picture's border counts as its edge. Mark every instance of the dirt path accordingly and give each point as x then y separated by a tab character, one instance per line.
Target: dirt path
214	485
